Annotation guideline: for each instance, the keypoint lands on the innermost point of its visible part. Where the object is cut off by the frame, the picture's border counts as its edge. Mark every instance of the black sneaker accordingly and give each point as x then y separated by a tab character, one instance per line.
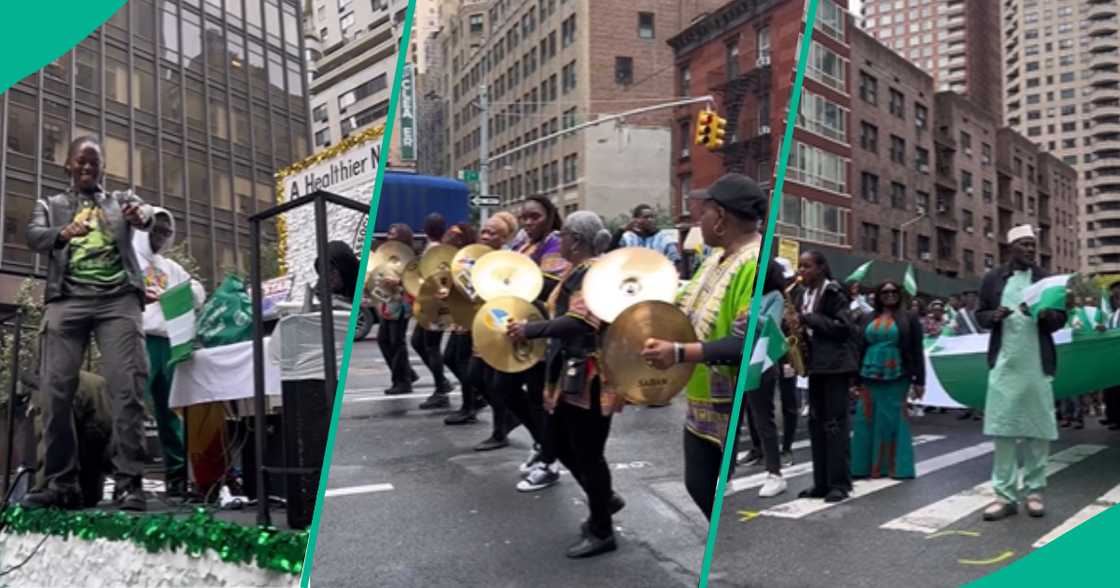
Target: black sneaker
491	444
445	388
592	546
435	401
52	497
131	497
542	476
176	487
752	458
398	389
461	418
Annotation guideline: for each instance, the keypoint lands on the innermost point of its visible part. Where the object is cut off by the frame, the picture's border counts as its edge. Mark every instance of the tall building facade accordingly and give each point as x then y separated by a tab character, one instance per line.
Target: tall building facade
353	58
1063	93
957	41
550	65
196	102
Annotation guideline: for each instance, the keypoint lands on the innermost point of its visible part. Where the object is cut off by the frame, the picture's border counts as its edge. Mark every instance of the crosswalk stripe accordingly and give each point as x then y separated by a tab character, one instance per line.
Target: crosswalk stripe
1108	500
382	397
366	489
943	513
803	507
799	469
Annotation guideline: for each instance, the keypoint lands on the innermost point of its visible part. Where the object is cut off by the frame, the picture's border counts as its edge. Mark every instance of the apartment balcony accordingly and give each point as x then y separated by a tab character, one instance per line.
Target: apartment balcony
1106	181
1104	78
1110	144
1106	130
1103	26
1101	10
946	218
1103	44
1105	112
1104	60
1103	96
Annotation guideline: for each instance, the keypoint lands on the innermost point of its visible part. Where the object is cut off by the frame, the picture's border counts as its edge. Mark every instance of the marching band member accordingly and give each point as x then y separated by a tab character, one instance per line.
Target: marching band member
716	297
576	396
427	343
822	307
392	329
1019	409
457	354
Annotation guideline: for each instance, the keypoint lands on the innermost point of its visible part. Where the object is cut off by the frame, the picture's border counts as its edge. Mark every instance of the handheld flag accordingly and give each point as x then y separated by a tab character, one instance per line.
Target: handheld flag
177	304
859	274
1047	294
769	349
908	281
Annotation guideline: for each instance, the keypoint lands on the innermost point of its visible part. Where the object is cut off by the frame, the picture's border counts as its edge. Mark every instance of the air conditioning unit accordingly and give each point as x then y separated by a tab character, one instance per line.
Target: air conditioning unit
763	60
942	208
921	210
925	256
968	230
764	129
921	124
968	190
923	168
685	153
989	235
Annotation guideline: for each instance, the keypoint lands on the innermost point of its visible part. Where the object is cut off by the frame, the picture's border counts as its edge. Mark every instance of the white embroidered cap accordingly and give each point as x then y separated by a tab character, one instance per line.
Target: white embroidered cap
1020	232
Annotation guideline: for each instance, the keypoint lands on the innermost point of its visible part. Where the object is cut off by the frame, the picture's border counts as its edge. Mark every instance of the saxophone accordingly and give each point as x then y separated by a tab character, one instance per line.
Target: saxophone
797	341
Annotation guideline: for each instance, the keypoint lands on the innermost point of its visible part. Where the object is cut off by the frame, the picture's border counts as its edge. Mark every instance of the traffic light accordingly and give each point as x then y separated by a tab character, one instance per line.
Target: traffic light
710	129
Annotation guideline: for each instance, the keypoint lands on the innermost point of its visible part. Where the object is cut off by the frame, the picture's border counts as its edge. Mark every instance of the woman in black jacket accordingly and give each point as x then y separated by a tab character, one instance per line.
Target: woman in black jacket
892	363
822	309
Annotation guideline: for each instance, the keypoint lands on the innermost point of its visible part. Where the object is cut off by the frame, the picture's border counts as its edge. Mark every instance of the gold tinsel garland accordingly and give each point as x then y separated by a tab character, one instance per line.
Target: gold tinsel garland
359	138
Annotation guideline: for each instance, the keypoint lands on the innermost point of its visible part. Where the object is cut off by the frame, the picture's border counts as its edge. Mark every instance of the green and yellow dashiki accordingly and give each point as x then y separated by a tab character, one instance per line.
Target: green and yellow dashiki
95	260
717	295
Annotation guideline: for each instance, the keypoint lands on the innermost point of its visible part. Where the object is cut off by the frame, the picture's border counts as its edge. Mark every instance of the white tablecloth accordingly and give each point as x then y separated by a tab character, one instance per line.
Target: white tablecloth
221	374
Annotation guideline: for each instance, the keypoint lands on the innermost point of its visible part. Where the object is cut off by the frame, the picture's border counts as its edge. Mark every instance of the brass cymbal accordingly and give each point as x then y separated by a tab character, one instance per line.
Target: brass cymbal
411	278
463	310
393	253
500	274
491	342
626	371
433	310
375	280
436	259
628	276
463	263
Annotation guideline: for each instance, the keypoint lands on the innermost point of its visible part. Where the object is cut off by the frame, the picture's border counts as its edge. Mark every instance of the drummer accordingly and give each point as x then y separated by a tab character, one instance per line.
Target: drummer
393	327
540	241
574	392
457	353
495	233
719	294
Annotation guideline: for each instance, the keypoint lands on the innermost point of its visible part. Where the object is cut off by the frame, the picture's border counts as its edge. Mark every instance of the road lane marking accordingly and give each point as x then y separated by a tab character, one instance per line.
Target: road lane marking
798	469
941	514
1100	505
382	397
803	507
351	490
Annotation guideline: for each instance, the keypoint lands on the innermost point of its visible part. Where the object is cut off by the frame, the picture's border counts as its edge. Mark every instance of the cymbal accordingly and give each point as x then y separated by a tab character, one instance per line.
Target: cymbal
436	259
393	253
628	276
433	309
410	278
626	371
377	276
491	342
506	273
462	264
463	310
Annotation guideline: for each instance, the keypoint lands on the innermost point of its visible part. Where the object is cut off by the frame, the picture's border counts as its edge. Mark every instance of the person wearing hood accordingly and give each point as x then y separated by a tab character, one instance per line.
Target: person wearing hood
160	275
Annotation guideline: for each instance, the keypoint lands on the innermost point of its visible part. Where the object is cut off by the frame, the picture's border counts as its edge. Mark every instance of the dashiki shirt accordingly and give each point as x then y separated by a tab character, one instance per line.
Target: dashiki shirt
717	295
546	254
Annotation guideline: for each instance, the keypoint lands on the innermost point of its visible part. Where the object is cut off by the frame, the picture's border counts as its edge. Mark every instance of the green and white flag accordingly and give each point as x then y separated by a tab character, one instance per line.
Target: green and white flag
769	349
1047	294
860	273
177	304
909	283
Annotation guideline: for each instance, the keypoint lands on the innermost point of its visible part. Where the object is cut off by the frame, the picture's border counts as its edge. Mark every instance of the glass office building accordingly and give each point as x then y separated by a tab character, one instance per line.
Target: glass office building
196	102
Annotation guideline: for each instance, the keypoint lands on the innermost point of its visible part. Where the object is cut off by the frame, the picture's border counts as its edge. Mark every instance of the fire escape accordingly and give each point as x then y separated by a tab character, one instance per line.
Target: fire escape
743	147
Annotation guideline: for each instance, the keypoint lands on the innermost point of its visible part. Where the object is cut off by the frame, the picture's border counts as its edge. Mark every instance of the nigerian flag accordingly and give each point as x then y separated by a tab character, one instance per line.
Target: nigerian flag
909	283
860	274
770	348
177	304
1047	294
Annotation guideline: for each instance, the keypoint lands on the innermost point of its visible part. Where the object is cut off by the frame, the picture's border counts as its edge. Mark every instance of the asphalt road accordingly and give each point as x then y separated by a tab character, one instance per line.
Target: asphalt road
411	504
923	532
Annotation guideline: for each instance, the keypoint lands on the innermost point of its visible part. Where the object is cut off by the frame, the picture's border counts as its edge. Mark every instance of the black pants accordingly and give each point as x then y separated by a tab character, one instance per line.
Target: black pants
426	344
582	439
761	403
457	357
391	335
702	460
523	394
1112	404
829	432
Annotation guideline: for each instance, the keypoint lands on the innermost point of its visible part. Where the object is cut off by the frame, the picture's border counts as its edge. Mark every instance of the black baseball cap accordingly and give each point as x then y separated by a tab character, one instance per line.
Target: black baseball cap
739	194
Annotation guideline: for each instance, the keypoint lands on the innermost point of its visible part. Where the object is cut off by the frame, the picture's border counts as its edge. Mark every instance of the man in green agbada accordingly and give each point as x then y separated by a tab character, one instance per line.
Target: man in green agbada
1019	408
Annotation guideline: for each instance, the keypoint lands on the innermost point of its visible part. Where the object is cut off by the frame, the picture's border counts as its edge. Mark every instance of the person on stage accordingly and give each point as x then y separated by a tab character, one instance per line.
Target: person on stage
822	308
457	353
581	404
496	234
718	295
160	275
891	367
427	344
392	328
524	392
94	287
1019	408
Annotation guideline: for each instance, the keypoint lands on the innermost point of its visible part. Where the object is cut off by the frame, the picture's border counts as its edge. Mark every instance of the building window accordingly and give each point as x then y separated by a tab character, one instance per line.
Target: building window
826	67
966	182
869	137
684	80
571	165
966	144
822	116
869	187
921	202
897	103
969	261
319	114
923	247
345	23
732	58
568	77
868	88
645	25
921	116
475	24
624	70
686	138
921	159
763	46
568	31
870	237
816	167
988	227
830	20
898	195
898	149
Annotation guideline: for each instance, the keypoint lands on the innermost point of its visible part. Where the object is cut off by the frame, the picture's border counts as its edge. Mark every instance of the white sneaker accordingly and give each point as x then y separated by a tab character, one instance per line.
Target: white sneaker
775	484
540	478
531	463
805	410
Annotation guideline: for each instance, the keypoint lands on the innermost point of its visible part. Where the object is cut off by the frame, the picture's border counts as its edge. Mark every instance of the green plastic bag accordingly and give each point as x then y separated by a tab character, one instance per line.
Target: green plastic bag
227	316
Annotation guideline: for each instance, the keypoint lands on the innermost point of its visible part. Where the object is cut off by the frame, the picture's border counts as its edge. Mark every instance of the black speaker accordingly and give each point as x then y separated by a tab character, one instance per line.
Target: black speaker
273	454
306	423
